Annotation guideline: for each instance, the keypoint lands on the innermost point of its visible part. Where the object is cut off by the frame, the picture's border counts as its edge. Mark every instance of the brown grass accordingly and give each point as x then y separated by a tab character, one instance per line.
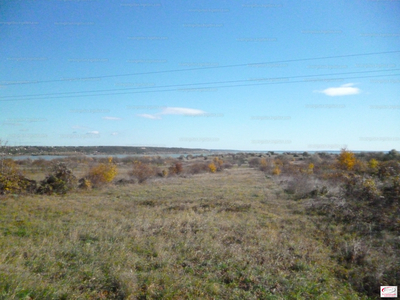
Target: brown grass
228	235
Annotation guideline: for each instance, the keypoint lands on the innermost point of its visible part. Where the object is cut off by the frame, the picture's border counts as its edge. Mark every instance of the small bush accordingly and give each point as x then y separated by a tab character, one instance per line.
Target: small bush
176	168
85	184
218	162
276	171
142	171
360	187
346	160
59	182
373	164
227	165
254	162
263	165
12	180
212	168
103	173
164	173
198	168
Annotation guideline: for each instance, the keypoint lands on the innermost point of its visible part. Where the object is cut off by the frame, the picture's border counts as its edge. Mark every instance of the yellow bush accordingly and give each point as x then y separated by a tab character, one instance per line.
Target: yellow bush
310	169
103	173
212	168
373	164
276	171
346	160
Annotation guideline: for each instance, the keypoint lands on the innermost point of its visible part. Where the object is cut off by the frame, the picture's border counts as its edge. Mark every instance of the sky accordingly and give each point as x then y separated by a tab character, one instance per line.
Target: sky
258	75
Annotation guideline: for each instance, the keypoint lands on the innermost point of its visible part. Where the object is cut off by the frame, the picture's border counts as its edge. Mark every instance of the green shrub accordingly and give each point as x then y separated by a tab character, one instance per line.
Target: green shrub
59	182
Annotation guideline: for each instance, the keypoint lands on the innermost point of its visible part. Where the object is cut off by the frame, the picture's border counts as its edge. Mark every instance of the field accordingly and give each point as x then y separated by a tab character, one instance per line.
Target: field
235	234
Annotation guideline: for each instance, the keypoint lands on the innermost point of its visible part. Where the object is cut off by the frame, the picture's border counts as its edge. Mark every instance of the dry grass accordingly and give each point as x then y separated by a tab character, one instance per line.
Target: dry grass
229	235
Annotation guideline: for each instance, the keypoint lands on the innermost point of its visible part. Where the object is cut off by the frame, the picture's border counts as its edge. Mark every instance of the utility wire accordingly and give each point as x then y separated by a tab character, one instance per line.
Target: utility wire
223	86
205	68
193	84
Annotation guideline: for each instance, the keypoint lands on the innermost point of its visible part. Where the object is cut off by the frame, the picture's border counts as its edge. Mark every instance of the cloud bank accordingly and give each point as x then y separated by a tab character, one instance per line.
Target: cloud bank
343	90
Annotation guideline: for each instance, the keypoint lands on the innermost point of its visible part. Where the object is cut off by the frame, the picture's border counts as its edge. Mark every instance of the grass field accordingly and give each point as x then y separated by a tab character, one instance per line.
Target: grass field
229	235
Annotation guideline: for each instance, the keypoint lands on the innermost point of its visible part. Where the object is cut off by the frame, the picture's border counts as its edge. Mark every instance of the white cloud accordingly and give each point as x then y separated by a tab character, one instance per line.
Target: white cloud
181	111
343	90
174	111
93	132
111	118
147	116
114	133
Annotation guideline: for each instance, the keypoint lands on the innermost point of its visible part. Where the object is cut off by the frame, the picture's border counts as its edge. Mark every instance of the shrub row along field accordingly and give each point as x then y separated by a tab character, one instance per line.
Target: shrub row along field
232	227
60	178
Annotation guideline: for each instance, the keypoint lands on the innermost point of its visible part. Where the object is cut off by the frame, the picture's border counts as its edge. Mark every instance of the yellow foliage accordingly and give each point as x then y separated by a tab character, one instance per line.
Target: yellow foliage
373	163
85	184
346	160
103	173
212	168
276	171
10	179
310	168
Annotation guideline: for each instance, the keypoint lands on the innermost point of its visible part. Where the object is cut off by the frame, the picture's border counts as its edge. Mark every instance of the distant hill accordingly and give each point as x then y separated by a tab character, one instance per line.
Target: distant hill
90	150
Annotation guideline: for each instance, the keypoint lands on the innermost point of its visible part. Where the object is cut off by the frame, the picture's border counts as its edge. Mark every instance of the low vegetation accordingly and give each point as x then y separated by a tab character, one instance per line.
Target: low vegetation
255	226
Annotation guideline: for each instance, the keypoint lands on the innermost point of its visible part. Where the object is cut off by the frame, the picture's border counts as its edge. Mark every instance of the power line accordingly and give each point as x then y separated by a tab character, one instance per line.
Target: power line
223	86
193	84
204	68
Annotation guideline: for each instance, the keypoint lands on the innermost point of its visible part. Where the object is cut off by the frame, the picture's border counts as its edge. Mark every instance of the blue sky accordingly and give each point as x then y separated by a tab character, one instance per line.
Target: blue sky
50	48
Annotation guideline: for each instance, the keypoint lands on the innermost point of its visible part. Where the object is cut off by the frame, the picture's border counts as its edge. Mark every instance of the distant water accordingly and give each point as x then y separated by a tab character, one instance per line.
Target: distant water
173	155
50	157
